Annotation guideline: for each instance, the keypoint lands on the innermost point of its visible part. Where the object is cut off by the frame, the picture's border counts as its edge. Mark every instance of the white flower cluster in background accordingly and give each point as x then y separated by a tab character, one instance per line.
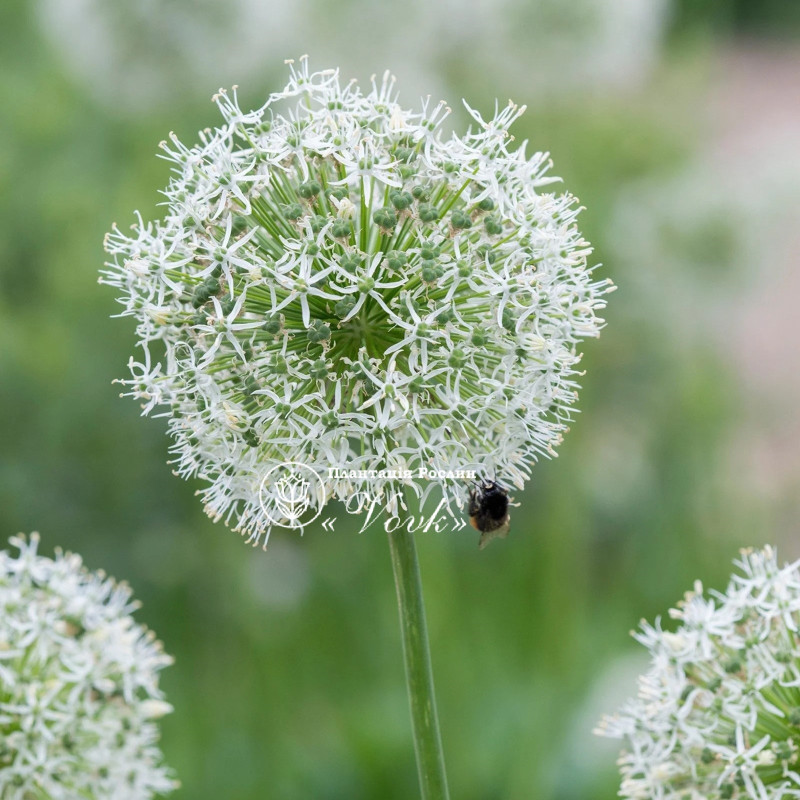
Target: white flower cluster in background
79	689
718	713
337	285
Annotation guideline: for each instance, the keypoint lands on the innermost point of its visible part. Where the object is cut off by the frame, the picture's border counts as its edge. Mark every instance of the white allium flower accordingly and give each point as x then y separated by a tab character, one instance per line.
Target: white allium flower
718	713
338	285
78	684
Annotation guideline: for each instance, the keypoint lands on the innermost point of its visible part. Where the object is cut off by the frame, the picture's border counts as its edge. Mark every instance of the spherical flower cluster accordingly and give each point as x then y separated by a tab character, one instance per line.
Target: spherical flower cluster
718	713
79	689
338	285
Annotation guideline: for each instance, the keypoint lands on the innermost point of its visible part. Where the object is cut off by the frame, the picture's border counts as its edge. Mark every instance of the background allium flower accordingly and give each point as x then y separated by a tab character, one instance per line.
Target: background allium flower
336	284
78	684
718	714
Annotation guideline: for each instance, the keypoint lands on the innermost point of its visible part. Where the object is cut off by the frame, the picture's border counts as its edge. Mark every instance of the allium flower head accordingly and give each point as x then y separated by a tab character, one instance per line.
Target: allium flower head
718	713
335	283
78	684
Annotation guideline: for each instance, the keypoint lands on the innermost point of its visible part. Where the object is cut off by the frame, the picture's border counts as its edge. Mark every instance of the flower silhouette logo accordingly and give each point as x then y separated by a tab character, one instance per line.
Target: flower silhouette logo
291	495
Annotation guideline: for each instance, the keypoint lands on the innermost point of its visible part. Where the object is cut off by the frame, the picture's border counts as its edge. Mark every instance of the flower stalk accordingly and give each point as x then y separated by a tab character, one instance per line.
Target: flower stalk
419	674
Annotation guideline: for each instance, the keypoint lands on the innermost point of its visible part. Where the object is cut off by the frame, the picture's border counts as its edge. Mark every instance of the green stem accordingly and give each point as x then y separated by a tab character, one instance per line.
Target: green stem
419	676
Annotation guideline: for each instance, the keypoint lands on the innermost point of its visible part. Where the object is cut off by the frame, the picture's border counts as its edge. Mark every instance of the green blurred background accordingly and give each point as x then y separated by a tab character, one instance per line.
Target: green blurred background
677	123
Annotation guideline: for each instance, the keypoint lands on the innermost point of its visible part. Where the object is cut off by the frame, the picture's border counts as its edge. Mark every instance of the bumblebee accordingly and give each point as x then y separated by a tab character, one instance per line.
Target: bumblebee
488	511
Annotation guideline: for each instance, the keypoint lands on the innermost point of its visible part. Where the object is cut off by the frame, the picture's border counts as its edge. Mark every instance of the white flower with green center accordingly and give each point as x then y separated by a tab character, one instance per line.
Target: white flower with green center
718	714
337	284
79	691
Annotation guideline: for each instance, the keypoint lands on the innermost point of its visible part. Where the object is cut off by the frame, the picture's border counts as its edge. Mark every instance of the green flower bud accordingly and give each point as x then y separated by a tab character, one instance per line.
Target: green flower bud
309	189
293	211
401	200
428	213
318	222
396	260
385	217
485	252
493	226
344	306
318	331
272	324
458	219
318	370
341	229
350	262
457	358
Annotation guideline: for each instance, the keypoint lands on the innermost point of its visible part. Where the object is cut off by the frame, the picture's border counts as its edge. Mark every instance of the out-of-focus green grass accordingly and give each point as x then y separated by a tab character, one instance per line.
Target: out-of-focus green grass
288	682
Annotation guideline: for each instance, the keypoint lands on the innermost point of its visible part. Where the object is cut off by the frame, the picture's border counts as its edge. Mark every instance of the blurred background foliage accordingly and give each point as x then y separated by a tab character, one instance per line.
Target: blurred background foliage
676	122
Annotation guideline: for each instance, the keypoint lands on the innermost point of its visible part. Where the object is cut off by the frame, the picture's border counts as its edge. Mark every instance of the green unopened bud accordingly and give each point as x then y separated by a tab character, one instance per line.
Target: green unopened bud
431	271
309	189
385	217
279	366
457	358
341	229
318	222
429	251
487	204
401	200
418	193
396	260
428	213
318	370
344	306
293	211
350	262
443	317
458	219
272	324
417	385
318	331
493	226
200	296
486	253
